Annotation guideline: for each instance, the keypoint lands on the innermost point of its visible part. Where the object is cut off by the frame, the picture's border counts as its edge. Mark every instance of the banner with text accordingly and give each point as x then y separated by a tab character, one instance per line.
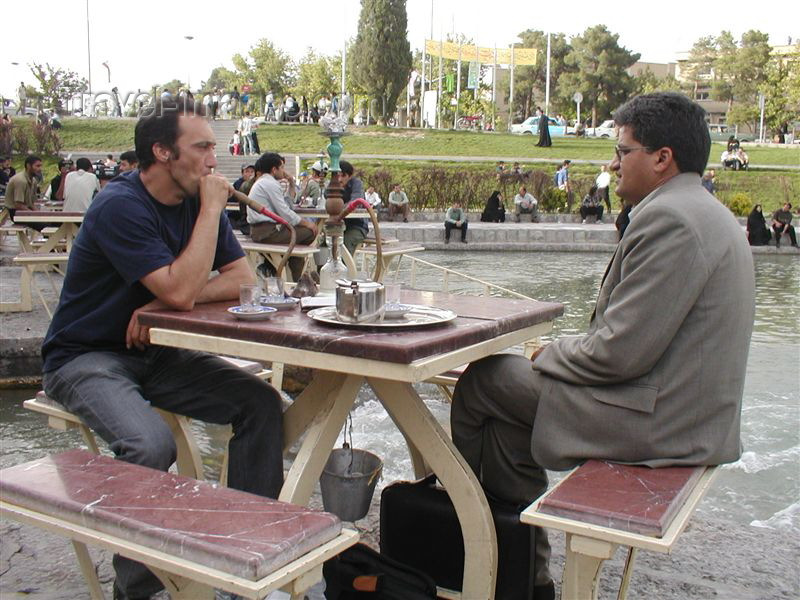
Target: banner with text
452	51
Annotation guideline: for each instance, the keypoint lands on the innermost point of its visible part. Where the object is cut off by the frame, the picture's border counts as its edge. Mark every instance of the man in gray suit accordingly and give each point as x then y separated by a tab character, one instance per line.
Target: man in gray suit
658	378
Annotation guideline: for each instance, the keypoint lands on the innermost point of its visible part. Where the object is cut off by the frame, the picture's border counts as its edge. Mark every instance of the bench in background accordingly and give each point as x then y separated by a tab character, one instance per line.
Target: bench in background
601	505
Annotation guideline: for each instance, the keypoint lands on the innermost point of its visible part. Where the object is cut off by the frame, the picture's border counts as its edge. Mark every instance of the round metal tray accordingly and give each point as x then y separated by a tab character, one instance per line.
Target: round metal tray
418	316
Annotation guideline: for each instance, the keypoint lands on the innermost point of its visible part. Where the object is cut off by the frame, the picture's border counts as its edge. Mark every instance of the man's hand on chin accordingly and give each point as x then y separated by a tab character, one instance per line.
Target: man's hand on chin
137	335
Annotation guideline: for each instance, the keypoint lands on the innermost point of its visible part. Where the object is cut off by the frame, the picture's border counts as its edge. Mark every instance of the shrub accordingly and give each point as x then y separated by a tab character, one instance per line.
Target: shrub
6	138
739	204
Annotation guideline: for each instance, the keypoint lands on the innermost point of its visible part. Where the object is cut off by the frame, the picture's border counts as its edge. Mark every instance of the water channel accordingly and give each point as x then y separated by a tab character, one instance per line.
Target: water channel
762	489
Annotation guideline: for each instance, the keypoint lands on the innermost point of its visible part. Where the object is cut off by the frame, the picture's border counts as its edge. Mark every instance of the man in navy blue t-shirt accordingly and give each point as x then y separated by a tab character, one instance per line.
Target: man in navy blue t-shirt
150	239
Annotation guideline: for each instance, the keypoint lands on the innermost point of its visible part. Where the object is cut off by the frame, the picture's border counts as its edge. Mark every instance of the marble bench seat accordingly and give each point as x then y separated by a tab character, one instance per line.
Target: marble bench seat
194	535
601	505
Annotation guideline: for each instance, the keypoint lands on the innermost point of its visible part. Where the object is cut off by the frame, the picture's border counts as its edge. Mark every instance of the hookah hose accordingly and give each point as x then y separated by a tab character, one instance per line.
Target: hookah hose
351	206
268	213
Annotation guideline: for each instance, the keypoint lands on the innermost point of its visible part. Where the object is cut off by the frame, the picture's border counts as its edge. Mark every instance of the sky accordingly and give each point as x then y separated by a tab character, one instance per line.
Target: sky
143	42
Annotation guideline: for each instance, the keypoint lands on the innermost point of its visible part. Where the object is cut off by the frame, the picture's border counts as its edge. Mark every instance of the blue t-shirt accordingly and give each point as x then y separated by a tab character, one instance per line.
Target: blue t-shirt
126	234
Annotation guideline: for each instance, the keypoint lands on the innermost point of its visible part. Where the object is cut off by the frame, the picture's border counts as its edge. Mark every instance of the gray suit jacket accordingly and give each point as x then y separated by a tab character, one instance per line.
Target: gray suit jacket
658	378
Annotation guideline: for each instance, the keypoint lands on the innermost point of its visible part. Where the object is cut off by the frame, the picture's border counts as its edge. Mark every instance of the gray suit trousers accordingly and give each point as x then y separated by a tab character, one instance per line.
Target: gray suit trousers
494	407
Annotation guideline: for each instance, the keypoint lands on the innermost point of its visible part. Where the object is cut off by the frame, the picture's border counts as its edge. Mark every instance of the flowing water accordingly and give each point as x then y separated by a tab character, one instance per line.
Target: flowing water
762	489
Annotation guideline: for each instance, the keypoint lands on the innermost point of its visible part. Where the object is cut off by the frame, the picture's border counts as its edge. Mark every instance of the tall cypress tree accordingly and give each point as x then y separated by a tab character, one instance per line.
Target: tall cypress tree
382	54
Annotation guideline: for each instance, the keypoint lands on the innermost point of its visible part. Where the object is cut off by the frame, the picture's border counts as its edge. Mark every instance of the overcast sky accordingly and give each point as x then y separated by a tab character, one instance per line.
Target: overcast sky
143	42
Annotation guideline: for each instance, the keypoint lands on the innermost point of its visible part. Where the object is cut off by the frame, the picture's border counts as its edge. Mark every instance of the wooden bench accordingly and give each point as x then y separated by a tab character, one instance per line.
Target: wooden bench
29	262
601	505
274	253
194	536
188	462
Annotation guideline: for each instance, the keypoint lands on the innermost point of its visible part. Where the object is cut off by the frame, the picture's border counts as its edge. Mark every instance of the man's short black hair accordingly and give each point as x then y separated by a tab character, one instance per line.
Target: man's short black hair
671	120
159	125
83	163
129	156
346	167
268	161
30	159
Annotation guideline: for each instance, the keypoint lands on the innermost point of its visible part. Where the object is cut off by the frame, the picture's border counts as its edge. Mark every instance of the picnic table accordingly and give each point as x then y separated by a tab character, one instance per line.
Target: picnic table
66	223
390	361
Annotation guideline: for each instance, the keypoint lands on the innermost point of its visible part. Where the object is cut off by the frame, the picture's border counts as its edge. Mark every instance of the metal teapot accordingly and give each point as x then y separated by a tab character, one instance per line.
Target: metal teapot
359	300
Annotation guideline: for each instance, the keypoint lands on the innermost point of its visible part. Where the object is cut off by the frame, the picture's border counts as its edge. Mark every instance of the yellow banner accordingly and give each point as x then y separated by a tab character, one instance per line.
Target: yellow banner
468	52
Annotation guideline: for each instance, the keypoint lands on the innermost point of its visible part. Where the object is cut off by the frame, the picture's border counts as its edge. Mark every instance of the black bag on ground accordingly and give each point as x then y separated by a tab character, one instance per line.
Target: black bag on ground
361	573
419	527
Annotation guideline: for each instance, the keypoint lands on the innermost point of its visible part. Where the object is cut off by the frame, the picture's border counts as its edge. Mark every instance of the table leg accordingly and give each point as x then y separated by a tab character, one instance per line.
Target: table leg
64	231
321	410
418	425
584	559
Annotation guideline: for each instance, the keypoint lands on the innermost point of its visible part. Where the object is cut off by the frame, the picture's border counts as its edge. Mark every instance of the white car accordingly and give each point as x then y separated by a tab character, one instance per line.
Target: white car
606	129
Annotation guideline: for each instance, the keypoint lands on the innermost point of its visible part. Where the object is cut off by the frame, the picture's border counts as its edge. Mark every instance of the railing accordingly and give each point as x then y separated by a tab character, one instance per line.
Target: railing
446	273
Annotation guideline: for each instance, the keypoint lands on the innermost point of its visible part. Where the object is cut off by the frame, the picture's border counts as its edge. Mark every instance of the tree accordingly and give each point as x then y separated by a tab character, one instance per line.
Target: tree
57	85
599	71
648	82
781	90
381	53
271	70
700	66
741	70
318	75
220	78
529	81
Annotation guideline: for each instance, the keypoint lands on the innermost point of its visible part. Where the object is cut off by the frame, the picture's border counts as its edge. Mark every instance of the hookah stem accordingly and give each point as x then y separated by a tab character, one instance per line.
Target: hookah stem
378	244
268	213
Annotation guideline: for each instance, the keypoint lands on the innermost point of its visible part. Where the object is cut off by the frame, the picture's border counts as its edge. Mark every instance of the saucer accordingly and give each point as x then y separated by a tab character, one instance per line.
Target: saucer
396	311
285	304
259	314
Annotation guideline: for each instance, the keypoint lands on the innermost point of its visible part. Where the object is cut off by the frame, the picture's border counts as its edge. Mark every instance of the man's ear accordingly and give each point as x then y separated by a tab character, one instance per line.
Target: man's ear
664	160
161	153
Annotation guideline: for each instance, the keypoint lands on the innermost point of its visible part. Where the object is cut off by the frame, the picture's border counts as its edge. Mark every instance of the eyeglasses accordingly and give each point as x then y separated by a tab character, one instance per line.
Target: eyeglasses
623	152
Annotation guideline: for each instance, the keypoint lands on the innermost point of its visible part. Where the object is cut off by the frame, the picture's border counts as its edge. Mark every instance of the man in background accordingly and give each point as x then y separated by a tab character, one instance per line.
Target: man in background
355	230
782	223
398	203
128	161
526	204
80	187
22	191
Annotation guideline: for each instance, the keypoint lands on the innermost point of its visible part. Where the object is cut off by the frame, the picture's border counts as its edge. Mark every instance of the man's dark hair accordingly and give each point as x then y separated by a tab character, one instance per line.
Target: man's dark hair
346	167
159	125
83	163
268	161
567	163
129	156
29	160
671	120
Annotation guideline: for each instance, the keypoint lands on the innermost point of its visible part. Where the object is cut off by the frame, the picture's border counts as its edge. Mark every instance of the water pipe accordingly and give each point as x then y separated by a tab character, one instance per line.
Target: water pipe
351	206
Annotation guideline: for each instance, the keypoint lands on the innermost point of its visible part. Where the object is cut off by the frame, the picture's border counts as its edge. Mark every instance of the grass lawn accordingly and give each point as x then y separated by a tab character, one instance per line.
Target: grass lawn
769	188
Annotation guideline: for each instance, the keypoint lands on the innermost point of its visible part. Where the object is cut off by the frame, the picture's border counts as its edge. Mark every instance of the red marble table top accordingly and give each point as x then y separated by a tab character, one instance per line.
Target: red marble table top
238	533
636	499
479	319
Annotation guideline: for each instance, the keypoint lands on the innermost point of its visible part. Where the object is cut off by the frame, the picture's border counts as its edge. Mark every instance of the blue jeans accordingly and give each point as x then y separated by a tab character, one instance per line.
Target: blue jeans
113	393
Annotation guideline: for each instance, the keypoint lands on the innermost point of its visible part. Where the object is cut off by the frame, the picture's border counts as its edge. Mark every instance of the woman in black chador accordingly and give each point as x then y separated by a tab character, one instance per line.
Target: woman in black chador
544	129
495	210
757	232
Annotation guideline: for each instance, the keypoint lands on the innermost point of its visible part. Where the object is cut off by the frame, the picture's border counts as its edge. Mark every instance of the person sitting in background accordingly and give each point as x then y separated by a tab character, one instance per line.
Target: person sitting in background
398	203
592	205
730	160
80	187
526	204
708	181
757	232
310	194
128	161
372	197
110	162
55	190
732	145
22	191
268	193
782	223
495	210
455	218
355	230
744	160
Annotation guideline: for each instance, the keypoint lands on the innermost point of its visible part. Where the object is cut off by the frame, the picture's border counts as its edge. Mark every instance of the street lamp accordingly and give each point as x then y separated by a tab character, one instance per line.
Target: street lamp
105	64
188	38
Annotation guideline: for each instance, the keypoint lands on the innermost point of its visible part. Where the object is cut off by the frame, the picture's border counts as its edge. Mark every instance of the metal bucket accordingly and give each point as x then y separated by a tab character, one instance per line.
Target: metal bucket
348	482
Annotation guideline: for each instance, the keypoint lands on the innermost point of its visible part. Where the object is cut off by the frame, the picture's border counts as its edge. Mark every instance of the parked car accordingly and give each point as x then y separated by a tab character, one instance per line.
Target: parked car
10	107
606	129
721	132
531	126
